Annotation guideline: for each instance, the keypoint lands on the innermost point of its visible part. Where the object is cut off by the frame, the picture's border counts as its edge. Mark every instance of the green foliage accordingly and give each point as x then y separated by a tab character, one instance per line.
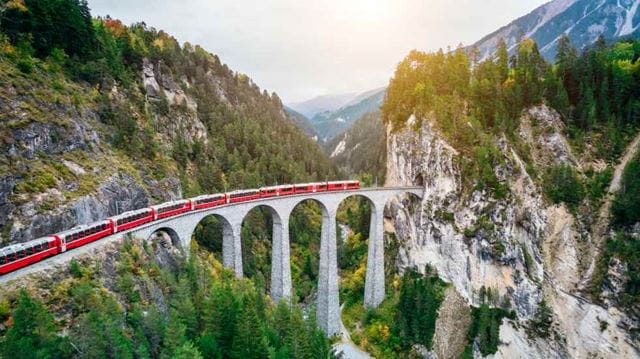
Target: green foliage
33	333
474	103
626	206
42	22
419	300
485	328
40	181
540	325
598	183
562	184
626	247
210	315
25	65
406	317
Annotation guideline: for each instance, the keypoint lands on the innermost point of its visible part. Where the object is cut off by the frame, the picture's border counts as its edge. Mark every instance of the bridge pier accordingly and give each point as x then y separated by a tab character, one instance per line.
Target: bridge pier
328	301
280	257
232	247
328	305
374	287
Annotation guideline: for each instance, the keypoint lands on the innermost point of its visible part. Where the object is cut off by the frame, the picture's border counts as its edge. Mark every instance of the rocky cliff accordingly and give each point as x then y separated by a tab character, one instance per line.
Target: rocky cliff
521	247
172	121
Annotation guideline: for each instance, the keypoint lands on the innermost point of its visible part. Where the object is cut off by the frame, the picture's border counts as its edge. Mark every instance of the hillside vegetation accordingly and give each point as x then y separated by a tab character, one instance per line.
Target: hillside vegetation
98	118
481	108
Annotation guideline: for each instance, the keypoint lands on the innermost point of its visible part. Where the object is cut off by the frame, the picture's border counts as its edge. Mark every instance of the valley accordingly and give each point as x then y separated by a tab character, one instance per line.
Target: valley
485	203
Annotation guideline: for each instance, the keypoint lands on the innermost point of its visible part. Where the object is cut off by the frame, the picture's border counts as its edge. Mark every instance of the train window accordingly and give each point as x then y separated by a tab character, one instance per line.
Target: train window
21	254
3	259
28	251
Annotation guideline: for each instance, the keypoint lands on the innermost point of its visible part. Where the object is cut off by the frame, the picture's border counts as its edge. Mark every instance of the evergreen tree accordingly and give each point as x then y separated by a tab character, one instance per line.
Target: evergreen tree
249	341
175	335
503	60
33	333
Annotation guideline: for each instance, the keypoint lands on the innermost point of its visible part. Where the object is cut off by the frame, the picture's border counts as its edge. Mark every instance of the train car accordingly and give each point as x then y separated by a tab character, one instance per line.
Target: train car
208	200
266	192
336	185
21	255
321	186
132	219
286	189
353	184
86	233
169	209
303	188
243	195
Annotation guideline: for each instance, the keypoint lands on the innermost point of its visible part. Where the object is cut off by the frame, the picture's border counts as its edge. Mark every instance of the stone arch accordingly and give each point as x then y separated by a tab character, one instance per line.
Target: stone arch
275	221
216	229
166	233
309	267
372	202
374	250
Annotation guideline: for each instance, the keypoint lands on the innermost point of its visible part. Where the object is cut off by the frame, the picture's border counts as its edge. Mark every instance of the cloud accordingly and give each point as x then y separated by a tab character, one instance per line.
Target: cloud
302	49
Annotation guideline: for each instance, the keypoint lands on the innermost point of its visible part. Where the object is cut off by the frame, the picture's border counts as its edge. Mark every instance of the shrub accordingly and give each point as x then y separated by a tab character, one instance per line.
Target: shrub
25	66
540	325
485	328
626	206
562	185
598	182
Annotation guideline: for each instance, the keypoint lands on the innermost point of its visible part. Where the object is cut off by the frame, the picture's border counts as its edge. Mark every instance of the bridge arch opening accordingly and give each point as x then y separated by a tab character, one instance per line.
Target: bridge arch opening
210	233
259	226
353	226
166	237
305	234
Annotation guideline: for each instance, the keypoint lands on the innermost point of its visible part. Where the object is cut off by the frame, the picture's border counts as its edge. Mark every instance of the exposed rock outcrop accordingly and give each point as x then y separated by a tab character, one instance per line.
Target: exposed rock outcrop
519	246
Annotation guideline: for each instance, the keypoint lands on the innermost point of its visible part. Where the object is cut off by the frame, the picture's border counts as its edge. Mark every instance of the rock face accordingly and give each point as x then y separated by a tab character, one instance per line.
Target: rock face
520	247
454	319
119	193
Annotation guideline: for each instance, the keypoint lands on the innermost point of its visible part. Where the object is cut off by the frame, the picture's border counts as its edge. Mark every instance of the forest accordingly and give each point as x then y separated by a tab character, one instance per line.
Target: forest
251	143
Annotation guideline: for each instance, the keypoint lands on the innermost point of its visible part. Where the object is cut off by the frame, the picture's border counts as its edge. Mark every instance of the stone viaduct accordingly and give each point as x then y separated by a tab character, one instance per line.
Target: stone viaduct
181	228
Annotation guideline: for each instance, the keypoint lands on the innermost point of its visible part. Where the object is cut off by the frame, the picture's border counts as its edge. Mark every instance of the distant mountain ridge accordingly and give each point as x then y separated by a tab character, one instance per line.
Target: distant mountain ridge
328	124
582	20
301	121
323	103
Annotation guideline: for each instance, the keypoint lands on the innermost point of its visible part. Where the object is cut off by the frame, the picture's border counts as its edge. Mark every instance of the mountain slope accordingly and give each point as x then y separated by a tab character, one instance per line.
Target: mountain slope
330	123
516	169
361	149
582	20
323	103
137	119
301	121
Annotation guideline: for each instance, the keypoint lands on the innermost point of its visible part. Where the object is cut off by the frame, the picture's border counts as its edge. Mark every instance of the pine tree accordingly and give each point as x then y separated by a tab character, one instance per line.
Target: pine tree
187	351
503	60
175	335
249	341
33	334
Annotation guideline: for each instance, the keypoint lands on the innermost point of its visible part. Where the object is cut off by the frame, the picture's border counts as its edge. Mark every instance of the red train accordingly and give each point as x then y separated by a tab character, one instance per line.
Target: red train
20	255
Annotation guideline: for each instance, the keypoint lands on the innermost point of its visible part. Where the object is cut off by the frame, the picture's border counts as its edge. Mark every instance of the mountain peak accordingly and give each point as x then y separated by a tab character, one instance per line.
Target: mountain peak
582	20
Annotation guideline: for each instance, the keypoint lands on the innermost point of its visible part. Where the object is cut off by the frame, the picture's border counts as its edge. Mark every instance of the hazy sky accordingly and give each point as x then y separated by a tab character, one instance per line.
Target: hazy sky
304	48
